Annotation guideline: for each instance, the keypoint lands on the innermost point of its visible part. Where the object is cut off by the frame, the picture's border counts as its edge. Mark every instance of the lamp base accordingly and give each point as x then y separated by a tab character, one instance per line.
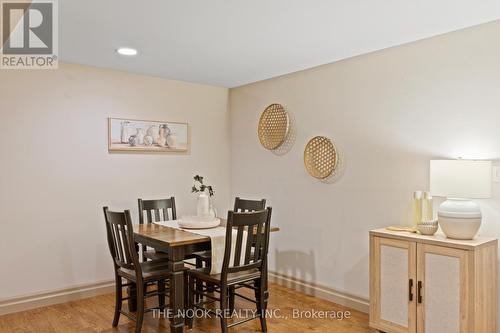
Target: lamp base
459	218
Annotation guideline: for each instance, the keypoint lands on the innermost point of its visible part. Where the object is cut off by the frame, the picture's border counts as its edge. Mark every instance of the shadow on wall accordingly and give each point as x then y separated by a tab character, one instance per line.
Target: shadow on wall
357	275
297	265
339	171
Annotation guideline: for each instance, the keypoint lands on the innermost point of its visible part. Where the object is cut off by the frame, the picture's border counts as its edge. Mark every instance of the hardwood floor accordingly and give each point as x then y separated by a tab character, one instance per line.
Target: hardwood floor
95	315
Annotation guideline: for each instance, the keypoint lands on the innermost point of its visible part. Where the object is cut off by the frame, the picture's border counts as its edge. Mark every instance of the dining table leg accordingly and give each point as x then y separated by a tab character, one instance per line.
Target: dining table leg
176	265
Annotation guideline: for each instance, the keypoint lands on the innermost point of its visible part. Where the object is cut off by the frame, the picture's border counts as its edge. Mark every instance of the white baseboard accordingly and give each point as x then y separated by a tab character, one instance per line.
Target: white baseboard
27	302
322	292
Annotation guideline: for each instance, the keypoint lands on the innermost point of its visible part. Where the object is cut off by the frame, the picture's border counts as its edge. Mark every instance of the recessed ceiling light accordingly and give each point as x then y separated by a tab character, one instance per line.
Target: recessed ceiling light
127	51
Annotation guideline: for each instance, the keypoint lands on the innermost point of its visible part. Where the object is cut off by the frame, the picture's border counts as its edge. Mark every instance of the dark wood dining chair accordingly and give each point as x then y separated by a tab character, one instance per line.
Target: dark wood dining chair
240	205
249	273
204	258
245	205
159	209
126	264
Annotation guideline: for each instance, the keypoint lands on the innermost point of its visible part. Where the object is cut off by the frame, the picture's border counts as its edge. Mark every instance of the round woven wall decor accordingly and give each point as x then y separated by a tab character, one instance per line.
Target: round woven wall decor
274	125
320	157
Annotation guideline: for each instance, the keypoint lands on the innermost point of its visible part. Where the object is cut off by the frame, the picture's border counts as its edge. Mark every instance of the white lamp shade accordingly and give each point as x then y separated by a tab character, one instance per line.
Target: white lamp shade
460	179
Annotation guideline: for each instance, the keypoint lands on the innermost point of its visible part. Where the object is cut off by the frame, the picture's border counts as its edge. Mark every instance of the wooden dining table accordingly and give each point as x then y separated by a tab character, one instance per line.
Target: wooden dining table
179	244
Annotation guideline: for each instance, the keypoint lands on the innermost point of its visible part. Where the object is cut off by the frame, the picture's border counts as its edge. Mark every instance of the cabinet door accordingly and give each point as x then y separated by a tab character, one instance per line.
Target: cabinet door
392	285
442	290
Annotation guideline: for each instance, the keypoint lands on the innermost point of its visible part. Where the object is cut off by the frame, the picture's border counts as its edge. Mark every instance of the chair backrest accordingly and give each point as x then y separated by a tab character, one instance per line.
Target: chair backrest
244	205
121	239
252	252
159	208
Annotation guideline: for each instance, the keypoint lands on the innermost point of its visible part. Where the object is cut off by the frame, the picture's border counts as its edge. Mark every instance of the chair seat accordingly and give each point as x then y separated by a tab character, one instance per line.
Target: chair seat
151	271
207	255
232	278
203	255
154	255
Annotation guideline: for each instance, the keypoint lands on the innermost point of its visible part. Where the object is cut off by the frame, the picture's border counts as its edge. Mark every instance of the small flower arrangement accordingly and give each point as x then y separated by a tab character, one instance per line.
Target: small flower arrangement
198	186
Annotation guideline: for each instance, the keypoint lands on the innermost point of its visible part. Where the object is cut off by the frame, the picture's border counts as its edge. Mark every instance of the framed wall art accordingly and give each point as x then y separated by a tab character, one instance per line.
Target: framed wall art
147	135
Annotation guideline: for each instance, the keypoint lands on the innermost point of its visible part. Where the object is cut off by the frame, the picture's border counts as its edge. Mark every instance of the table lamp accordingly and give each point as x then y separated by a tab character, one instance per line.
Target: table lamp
460	181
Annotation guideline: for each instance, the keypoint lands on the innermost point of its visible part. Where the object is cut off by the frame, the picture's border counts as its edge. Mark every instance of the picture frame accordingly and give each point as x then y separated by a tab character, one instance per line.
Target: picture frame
136	135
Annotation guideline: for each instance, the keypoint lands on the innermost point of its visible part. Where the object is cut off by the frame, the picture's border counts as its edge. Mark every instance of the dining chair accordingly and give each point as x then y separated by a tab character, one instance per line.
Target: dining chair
126	264
160	210
240	205
204	258
245	205
249	273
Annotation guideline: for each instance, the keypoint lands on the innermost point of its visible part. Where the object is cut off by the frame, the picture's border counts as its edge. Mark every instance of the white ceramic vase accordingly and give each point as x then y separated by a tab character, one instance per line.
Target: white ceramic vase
140	136
125	132
172	141
203	206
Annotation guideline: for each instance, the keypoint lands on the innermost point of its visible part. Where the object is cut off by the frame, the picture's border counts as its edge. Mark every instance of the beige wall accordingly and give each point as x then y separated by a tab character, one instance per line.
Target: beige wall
390	112
56	172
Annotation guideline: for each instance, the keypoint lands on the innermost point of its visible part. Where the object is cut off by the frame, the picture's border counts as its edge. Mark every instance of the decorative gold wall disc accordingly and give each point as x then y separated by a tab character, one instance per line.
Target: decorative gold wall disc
320	157
274	125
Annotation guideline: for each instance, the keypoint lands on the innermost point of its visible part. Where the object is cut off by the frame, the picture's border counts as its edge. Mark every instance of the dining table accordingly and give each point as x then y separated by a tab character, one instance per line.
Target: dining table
179	244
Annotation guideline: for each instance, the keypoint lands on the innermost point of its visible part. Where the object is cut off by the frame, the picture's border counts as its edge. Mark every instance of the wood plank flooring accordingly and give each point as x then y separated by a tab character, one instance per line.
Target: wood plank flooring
95	315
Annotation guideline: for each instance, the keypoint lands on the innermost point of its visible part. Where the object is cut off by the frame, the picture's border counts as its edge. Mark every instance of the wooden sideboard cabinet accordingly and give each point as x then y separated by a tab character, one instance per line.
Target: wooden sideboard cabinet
432	284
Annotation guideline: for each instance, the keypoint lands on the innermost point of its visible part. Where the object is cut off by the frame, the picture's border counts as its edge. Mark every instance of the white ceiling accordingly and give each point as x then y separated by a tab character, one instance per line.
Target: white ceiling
234	42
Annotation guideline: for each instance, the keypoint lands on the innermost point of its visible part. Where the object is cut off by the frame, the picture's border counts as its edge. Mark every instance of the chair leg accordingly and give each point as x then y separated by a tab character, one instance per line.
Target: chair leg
191	301
132	294
260	297
223	308
118	300
161	294
232	297
210	286
199	284
140	307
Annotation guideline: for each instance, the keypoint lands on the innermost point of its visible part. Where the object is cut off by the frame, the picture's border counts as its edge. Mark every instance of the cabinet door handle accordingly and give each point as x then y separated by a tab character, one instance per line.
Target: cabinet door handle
410	288
419	291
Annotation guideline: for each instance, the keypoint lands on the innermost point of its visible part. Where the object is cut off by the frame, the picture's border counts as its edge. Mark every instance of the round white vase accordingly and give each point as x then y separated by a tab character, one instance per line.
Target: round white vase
459	218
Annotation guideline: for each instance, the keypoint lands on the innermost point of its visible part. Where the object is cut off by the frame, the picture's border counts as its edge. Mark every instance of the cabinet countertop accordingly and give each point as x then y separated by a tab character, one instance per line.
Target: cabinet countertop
437	239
